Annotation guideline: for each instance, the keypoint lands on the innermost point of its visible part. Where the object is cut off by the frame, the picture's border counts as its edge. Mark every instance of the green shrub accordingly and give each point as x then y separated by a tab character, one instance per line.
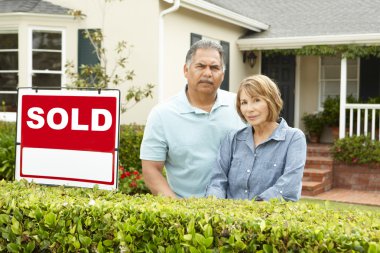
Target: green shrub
37	218
130	140
129	146
356	150
7	150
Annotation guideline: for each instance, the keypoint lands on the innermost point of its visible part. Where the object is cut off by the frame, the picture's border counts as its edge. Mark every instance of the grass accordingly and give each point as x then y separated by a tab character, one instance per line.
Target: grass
341	205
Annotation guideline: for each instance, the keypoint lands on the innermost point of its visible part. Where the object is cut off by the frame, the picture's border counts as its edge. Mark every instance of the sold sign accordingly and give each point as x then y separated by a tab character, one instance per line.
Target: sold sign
68	137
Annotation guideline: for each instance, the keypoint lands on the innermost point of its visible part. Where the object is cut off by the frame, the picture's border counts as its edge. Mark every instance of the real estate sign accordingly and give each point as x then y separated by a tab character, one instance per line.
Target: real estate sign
68	137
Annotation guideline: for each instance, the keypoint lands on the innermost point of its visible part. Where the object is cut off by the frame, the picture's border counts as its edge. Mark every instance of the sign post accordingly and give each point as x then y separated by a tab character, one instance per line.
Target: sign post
68	137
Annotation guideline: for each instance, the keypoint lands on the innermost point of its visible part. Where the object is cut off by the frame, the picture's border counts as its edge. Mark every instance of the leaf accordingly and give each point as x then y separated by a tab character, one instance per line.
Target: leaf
85	240
188	237
200	239
16	227
194	250
50	220
108	243
208	230
4	219
13	247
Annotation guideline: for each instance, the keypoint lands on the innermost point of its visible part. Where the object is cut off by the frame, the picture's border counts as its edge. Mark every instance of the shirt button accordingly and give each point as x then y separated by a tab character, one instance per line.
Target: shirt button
248	171
281	192
245	191
274	165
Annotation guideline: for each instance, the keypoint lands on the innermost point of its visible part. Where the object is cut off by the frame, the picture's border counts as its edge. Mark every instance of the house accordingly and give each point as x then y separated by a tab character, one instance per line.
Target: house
298	43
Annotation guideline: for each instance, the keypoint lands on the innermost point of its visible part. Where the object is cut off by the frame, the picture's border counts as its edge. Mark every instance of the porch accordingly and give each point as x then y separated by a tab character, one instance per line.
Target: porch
324	179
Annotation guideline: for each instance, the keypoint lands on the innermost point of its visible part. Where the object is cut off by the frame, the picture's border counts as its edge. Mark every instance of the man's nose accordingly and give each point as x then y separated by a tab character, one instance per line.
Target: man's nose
207	71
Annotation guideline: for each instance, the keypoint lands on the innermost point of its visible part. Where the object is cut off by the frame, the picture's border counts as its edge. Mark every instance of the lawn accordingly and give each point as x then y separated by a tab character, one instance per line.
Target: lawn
340	205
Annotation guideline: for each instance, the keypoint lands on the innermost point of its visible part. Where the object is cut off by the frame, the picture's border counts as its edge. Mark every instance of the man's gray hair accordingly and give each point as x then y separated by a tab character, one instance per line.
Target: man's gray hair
205	44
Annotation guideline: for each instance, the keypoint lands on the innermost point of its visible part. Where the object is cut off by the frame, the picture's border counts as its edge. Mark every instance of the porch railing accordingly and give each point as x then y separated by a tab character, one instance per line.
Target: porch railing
362	119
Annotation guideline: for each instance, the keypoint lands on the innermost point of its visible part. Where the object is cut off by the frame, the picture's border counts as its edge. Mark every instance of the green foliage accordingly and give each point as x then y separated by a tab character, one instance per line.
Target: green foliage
7	150
129	152
331	111
313	123
129	146
350	51
356	150
37	218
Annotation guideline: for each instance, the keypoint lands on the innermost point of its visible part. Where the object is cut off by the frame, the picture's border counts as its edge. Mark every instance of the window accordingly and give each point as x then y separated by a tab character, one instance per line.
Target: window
8	71
330	77
47	58
226	47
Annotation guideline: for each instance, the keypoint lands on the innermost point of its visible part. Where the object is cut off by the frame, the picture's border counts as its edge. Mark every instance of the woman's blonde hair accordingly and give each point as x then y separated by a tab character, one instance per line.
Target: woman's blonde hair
263	87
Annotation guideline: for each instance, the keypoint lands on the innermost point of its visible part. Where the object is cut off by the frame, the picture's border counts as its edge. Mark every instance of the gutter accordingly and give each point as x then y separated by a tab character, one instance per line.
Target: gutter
299	42
161	45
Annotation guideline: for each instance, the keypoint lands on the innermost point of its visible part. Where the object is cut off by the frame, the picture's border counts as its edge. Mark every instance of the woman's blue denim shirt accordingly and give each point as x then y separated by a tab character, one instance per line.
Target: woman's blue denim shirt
273	169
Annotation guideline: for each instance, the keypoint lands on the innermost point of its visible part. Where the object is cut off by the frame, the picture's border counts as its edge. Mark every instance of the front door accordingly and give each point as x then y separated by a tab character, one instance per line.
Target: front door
281	69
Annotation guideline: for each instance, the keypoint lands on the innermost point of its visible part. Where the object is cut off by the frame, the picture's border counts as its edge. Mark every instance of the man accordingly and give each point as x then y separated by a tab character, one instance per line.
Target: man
184	133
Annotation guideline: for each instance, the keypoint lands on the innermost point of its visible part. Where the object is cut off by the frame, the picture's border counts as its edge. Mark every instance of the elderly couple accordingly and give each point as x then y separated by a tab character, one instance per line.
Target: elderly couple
215	143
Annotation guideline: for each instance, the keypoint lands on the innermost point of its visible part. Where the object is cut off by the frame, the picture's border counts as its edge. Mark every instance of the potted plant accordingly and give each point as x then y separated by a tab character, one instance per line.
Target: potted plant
331	113
314	125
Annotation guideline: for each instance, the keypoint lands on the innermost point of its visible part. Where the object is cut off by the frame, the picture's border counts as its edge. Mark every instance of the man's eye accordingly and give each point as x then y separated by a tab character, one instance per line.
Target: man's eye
243	102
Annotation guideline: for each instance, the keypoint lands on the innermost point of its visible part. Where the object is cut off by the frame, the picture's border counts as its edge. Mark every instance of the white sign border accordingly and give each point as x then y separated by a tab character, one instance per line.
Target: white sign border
68	92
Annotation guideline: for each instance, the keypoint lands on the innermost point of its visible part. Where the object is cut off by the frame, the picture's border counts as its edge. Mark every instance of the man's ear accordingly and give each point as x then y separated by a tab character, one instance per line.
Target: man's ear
185	70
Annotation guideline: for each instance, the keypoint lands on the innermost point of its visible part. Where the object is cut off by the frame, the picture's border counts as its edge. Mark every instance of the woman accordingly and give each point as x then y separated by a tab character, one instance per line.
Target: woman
264	160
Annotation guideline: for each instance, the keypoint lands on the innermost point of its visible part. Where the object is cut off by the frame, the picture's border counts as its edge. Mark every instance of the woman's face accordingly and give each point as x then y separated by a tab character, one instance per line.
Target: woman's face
254	109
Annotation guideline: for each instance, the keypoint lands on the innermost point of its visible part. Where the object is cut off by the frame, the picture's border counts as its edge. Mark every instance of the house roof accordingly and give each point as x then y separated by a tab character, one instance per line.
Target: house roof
31	6
293	23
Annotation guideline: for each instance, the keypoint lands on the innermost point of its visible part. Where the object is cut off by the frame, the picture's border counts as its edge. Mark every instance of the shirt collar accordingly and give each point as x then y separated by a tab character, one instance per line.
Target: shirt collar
186	107
278	134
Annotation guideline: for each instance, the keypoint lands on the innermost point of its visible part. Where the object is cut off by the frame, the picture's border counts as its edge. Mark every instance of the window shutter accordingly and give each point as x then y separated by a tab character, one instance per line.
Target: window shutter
194	38
86	51
226	82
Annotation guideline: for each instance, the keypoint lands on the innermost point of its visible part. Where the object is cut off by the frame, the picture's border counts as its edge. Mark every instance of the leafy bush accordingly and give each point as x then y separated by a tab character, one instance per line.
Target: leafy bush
129	146
356	150
7	150
130	140
37	218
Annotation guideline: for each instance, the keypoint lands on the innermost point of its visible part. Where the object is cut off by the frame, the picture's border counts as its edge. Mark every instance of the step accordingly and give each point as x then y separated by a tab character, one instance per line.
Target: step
319	175
319	162
312	188
318	149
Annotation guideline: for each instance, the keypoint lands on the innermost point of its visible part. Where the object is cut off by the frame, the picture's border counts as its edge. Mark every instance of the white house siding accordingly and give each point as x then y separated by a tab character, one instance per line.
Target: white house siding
136	21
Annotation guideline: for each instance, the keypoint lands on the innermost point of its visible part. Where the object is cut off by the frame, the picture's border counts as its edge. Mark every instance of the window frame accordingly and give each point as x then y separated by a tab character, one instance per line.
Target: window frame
321	80
10	116
30	70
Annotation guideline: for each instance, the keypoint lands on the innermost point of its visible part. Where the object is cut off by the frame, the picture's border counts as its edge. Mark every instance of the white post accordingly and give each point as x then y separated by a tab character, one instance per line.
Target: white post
343	92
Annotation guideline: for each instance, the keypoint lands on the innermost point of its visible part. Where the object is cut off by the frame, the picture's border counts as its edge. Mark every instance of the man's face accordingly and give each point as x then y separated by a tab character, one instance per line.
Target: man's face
205	73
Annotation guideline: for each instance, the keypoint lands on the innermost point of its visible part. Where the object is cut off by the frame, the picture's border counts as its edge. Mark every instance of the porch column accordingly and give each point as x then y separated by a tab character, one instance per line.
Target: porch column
343	96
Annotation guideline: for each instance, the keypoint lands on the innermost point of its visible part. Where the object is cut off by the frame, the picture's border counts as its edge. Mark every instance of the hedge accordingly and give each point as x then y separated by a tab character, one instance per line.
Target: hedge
36	218
130	181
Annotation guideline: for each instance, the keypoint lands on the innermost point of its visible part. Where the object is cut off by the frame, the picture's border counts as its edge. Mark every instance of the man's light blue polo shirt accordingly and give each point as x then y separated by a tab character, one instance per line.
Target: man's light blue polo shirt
188	139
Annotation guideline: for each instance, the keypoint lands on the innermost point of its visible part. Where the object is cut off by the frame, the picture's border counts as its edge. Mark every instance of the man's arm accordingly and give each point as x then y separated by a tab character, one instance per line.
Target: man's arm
154	180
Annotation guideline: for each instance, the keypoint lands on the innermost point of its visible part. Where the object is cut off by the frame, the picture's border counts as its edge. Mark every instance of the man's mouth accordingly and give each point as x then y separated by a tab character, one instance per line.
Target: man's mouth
206	81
